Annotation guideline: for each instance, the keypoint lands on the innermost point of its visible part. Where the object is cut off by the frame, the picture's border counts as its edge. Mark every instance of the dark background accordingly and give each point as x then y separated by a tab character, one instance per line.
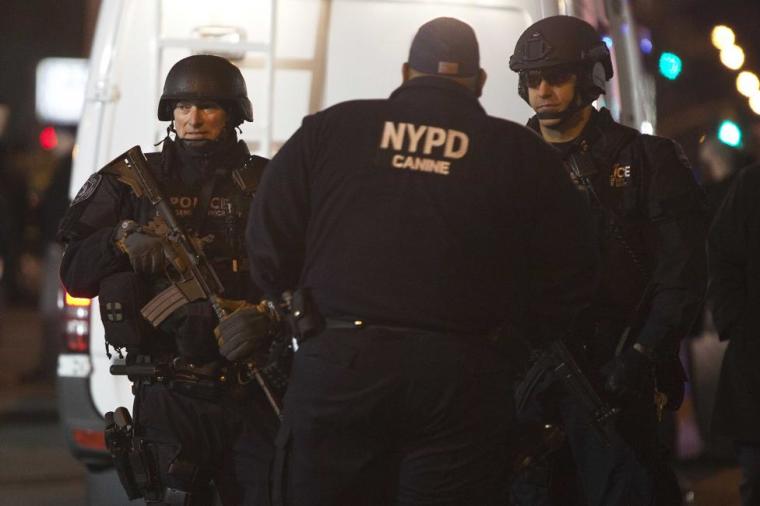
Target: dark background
705	93
688	107
29	31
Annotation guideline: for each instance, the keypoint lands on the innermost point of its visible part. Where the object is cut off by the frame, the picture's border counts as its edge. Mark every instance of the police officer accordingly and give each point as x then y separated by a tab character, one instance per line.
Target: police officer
418	225
191	424
733	295
650	237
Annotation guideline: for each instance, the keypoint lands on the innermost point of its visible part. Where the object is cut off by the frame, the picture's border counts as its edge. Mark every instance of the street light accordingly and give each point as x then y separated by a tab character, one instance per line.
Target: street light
722	37
730	134
732	57
747	83
754	103
670	65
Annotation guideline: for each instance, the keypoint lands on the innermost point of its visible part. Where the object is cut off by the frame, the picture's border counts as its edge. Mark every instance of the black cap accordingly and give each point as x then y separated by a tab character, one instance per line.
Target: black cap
445	47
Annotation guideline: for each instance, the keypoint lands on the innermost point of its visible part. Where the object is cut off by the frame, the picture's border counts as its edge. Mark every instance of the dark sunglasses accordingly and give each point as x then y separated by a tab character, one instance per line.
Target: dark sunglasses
552	76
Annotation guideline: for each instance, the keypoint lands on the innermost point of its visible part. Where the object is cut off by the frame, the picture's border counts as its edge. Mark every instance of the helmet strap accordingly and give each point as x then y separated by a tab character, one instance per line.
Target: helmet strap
564	116
169	130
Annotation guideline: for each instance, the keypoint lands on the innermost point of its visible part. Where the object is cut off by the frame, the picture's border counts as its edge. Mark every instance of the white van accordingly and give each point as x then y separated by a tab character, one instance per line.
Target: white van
297	56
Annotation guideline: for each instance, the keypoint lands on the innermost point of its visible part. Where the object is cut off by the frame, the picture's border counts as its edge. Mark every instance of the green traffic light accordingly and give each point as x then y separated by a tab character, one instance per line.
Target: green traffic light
730	134
670	65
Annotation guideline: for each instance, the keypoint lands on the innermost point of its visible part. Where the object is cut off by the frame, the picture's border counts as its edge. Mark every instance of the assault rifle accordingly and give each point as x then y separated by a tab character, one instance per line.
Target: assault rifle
196	278
600	414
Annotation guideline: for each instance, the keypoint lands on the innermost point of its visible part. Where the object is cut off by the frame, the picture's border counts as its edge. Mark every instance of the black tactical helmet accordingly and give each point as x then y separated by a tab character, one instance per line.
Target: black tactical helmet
567	41
206	77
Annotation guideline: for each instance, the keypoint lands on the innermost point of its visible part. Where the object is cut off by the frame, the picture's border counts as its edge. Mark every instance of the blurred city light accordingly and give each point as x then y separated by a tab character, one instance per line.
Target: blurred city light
754	102
730	134
60	89
646	128
747	83
670	65
48	138
607	40
77	301
732	57
646	45
722	37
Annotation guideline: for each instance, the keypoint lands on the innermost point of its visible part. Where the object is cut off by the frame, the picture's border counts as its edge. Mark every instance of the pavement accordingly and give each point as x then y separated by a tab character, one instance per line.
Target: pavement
36	467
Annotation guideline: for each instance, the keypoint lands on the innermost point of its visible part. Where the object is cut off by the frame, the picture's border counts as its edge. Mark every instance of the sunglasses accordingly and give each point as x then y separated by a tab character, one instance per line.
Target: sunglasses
552	76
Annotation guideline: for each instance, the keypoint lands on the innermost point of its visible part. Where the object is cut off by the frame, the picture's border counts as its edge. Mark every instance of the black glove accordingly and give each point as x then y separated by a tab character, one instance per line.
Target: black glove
628	374
246	333
146	252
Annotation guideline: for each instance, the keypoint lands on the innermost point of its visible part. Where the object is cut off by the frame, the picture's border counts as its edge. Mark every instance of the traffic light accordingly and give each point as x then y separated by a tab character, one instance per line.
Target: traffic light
670	65
730	134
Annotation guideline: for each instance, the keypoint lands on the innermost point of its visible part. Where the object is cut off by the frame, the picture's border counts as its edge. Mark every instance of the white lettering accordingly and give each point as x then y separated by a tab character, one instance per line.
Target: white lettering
421	164
435	137
414	135
393	134
464	143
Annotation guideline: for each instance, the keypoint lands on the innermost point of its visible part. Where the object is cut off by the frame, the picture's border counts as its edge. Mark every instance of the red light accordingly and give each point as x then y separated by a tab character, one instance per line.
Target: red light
77	301
48	138
88	438
77	344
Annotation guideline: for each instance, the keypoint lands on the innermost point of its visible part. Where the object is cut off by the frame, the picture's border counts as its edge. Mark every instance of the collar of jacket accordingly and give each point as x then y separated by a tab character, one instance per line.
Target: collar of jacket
440	86
602	134
193	169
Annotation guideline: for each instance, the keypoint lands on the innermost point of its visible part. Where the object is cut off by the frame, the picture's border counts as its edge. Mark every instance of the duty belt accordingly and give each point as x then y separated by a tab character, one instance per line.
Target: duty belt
205	381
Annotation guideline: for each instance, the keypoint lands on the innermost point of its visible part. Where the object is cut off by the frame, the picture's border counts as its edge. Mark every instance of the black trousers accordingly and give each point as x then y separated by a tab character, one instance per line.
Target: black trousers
228	441
378	416
748	456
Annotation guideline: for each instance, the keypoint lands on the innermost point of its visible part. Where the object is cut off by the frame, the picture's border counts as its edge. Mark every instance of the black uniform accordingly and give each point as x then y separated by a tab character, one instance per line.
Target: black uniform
734	293
432	223
650	218
225	436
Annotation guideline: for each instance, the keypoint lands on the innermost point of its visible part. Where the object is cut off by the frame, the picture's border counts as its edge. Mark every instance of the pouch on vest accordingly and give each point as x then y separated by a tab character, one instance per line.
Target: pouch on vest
121	297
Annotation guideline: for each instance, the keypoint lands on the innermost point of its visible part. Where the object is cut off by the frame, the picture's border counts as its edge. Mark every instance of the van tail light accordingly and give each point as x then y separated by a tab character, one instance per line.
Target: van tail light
76	315
90	439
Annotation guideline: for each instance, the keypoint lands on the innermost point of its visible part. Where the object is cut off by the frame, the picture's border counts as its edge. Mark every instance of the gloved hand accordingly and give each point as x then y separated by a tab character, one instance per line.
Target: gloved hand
246	334
628	374
146	252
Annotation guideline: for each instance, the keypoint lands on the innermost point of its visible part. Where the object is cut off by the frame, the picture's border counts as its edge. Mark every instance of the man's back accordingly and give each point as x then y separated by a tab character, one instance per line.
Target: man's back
422	209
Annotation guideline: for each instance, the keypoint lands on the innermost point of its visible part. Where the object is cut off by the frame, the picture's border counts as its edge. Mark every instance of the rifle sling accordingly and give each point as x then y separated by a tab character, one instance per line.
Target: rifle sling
574	160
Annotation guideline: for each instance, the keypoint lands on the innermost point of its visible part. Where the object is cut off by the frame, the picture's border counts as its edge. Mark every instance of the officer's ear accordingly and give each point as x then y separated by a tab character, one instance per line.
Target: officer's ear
482	76
404	72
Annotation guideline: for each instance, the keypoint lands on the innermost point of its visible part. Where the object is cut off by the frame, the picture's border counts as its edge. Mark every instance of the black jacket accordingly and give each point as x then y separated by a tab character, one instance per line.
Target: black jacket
88	227
423	211
734	294
651	223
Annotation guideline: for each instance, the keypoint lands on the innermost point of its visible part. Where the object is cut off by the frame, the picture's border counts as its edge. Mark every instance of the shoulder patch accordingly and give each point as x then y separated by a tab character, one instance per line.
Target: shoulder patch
88	188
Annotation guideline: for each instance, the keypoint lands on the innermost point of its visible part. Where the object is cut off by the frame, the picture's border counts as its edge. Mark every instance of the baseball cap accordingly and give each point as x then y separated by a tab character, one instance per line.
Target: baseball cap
446	47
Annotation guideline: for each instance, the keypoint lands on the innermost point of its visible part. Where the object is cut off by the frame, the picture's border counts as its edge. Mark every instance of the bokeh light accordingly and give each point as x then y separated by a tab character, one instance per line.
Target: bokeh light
722	37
